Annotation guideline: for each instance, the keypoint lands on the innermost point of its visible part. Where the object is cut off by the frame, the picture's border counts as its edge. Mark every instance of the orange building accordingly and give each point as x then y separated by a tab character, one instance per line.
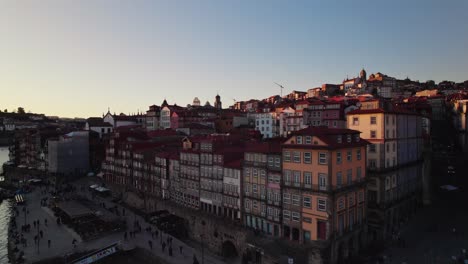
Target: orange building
324	172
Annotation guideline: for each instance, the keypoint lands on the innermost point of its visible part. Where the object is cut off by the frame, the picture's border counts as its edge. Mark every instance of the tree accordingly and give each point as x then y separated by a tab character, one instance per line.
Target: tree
5	111
430	84
21	110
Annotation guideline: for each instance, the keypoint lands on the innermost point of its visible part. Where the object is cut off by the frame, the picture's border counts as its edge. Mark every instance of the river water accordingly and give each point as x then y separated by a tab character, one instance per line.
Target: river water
5	212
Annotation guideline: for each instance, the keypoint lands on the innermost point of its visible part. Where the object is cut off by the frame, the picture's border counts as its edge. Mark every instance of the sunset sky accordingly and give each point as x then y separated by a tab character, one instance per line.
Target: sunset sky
77	58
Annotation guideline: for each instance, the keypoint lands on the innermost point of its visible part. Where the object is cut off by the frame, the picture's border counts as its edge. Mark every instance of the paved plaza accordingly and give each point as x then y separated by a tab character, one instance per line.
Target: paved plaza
62	237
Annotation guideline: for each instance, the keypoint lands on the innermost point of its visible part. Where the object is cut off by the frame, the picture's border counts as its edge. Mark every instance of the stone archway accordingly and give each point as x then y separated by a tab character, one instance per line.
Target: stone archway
228	249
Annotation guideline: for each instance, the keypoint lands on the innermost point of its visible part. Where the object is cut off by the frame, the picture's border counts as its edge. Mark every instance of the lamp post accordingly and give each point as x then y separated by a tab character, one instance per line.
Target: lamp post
203	240
25	211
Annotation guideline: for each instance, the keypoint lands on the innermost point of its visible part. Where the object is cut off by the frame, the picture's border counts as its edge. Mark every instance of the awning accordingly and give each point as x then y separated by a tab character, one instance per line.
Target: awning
102	189
449	188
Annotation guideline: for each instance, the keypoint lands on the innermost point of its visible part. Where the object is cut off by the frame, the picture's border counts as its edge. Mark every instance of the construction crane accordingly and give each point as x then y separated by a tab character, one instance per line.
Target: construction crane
281	87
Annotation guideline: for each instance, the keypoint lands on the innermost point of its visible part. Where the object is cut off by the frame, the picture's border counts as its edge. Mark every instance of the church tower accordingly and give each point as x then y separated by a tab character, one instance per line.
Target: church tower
363	75
217	103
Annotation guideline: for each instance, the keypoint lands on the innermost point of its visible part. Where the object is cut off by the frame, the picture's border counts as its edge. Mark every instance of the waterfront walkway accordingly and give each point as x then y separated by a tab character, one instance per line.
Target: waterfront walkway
62	237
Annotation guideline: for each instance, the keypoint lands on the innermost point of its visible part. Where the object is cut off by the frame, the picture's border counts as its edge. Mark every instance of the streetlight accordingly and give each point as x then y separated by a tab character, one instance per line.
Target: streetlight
203	244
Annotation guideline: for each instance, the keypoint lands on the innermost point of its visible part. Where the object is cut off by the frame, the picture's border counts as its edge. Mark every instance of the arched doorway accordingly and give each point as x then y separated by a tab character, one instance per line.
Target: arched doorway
229	249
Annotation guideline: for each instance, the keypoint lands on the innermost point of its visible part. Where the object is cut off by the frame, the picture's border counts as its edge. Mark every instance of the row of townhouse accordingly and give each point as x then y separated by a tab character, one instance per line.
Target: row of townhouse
308	188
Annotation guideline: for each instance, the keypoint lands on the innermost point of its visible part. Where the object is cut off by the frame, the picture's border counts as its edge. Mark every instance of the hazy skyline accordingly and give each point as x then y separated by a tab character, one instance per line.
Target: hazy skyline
77	58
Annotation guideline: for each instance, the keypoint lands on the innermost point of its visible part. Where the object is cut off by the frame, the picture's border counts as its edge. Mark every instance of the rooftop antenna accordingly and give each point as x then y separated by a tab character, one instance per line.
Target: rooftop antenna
281	87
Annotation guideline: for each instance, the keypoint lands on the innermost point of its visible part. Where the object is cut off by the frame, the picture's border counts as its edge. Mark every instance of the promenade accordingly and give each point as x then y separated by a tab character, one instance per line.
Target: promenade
62	237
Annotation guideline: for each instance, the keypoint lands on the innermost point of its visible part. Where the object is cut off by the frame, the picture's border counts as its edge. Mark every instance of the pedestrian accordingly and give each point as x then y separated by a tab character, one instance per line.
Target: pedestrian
41	233
34	223
125	235
45	222
170	251
163	246
35	239
150	243
195	260
180	249
48	243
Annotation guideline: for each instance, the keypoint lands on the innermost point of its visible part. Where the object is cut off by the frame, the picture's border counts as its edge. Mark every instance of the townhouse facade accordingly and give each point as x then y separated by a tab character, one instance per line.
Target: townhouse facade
324	189
262	187
394	161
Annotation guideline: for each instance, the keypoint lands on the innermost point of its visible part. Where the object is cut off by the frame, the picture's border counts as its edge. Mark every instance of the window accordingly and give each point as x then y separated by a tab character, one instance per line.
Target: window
286	214
287	176
277	162
358	173
322	158
372	163
358	154
349	176
372	148
307	157
338	157
351	200
341	204
338	139
373	120
295	216
254	188
348	138
287	156
349	156
308	139
361	197
306	201
254	205
386	119
394	147
286	198
299	139
339	178
307	178
373	134
387	147
297	157
295	200
297	177
321	204
270	161
322	181
355	121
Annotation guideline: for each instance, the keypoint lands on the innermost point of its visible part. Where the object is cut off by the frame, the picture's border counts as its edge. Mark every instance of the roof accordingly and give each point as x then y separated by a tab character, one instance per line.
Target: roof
161	133
264	147
329	137
325	131
97	122
196	126
235	164
381	111
74	209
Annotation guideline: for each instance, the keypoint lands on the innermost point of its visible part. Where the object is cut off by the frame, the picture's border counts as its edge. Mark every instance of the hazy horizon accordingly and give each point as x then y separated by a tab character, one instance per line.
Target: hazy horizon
76	59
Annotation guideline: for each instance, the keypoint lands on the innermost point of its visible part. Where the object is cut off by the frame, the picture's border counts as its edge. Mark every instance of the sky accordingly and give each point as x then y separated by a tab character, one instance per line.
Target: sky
77	58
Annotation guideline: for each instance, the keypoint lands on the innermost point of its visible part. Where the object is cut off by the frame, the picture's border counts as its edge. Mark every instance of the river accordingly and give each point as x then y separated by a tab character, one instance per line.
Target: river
5	212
